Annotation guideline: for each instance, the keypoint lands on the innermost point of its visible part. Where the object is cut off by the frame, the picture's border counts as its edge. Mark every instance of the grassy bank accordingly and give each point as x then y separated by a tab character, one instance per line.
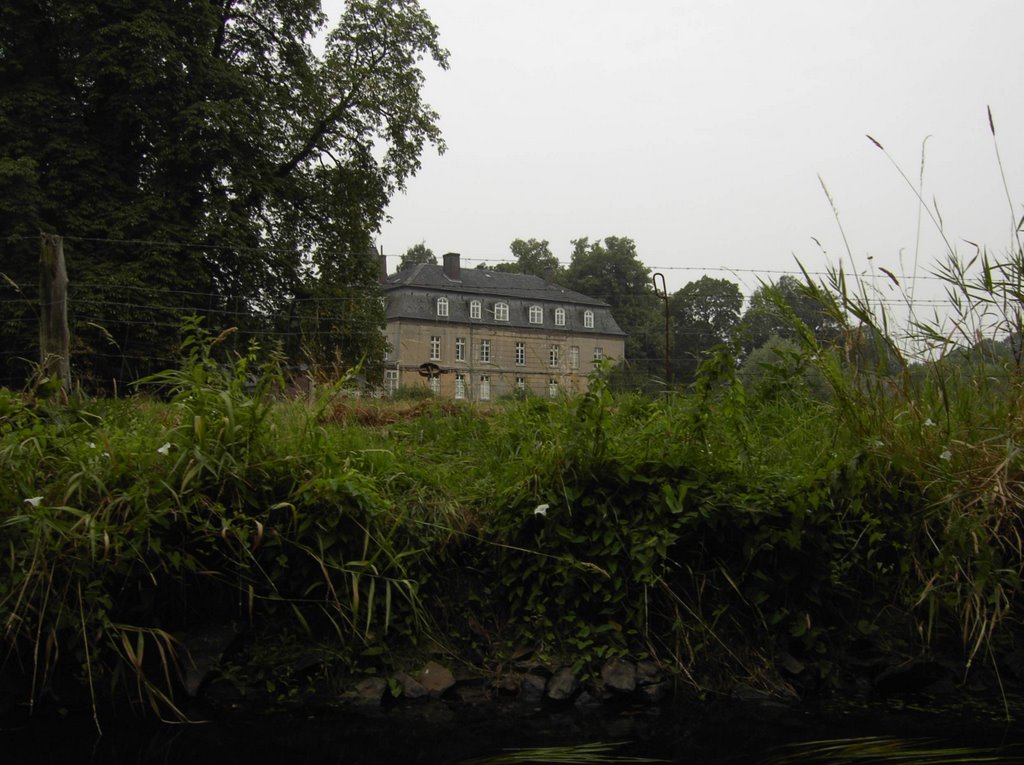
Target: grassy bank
773	530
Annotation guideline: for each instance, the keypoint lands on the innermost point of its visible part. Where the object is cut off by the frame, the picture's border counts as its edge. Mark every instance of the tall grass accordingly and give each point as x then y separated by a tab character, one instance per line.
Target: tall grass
757	529
127	524
938	405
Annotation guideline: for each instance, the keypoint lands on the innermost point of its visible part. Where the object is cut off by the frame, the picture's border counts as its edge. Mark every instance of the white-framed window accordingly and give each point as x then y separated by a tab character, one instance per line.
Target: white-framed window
474	309
460	349
520	354
588	319
501	311
559	317
553	388
460	386
598	353
435	348
485	350
574	357
391	381
442	306
435	385
553	356
520	383
536	314
485	388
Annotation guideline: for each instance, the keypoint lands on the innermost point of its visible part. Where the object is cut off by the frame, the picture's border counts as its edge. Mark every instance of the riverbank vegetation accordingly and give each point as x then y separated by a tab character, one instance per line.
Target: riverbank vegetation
841	511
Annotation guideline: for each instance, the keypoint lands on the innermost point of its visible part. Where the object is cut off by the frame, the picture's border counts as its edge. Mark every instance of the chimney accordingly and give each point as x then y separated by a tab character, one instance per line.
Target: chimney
451	266
549	276
383	259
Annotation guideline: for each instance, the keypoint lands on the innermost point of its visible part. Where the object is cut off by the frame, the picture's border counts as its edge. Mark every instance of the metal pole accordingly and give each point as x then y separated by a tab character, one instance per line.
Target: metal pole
662	293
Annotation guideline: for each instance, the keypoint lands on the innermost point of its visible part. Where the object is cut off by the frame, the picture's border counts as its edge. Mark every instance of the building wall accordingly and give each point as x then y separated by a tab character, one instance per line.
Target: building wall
411	346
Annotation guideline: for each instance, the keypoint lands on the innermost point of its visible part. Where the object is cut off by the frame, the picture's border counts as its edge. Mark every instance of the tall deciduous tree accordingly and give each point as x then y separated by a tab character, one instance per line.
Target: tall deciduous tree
245	170
704	313
610	270
418	253
763	318
533	256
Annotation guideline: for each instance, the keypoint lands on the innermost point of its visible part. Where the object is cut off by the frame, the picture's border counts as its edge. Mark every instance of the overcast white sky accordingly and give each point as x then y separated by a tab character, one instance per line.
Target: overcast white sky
699	129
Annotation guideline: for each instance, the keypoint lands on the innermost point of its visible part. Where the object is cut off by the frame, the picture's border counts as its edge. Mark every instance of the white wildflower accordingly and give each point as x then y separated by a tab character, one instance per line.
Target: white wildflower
34	501
877	444
928	423
946	455
92	445
541	509
165	449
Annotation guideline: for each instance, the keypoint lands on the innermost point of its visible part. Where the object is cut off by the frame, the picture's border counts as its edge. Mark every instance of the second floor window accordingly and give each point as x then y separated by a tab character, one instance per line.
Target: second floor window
536	314
435	348
559	317
460	349
501	311
588	319
520	354
553	356
485	350
574	357
474	309
442	306
598	353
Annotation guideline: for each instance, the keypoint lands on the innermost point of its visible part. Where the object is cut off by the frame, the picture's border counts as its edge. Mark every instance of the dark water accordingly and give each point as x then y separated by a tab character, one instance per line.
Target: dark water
440	734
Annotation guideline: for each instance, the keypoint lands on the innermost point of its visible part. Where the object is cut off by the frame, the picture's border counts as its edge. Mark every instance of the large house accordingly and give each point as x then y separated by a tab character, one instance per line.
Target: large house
478	334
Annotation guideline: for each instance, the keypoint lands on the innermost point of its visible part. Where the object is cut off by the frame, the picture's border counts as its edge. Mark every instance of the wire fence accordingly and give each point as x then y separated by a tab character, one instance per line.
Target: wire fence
123	330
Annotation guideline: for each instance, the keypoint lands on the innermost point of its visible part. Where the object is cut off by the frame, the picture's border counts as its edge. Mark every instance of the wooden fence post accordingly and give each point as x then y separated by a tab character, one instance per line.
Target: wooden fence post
54	338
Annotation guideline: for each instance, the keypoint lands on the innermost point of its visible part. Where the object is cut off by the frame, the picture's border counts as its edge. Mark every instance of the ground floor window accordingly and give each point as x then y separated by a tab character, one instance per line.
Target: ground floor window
391	381
553	388
435	385
520	383
460	386
485	388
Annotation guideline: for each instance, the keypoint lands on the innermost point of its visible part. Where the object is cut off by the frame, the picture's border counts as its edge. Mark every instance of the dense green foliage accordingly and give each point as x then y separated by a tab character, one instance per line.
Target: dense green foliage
733	533
200	156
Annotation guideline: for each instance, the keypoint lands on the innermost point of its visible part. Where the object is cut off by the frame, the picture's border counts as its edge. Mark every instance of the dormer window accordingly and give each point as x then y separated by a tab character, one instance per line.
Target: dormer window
588	319
559	317
536	314
474	309
501	311
442	306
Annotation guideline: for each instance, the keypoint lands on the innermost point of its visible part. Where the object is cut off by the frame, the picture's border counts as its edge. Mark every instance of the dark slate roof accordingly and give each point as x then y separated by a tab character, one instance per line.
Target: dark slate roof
424	283
486	282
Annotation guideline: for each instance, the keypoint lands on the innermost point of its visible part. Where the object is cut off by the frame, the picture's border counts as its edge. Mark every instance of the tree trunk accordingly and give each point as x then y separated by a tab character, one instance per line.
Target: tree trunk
54	338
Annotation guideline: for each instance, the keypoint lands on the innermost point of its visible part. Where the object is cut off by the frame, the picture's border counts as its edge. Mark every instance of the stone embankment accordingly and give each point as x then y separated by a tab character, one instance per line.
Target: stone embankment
619	680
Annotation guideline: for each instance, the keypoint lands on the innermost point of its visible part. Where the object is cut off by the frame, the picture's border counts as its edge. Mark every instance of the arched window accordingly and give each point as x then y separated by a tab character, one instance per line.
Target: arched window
442	306
536	314
474	309
501	311
588	319
559	317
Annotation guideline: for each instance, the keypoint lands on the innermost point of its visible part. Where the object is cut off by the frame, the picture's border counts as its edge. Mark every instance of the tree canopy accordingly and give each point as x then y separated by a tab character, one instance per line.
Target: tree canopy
202	154
610	270
764	319
418	253
704	313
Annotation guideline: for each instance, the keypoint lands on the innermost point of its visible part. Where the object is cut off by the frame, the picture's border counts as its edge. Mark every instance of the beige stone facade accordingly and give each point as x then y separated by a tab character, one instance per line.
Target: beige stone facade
493	361
480	335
